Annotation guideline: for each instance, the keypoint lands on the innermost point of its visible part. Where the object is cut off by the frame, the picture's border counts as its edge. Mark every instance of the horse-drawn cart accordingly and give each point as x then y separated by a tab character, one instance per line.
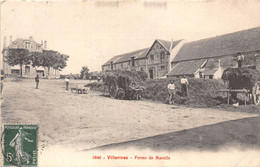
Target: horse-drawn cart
123	85
243	80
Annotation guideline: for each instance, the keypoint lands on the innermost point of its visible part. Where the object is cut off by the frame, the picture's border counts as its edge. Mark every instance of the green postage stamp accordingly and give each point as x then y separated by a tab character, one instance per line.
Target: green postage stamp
20	145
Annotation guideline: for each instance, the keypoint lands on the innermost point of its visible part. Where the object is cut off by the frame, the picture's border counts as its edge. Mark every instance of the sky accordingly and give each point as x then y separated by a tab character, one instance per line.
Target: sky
91	32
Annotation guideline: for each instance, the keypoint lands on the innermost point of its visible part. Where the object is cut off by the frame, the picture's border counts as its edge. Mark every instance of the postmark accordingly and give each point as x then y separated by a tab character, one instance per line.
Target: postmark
20	145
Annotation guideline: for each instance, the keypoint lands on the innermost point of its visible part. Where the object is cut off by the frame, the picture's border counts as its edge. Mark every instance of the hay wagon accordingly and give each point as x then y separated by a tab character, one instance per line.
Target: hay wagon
243	80
121	85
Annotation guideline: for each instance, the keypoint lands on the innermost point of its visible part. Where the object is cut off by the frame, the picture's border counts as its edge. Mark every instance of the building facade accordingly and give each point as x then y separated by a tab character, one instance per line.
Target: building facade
208	58
205	58
154	60
28	71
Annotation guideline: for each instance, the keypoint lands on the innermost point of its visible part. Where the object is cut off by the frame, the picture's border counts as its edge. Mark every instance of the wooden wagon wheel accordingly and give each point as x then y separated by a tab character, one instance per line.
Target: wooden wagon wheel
113	88
256	93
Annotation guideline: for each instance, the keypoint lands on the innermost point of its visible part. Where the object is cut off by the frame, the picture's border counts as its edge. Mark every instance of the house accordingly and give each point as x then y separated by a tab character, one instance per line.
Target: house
155	60
27	70
207	58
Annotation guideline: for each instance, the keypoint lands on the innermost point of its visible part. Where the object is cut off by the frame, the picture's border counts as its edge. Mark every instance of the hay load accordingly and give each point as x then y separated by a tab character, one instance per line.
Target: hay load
125	84
239	78
243	78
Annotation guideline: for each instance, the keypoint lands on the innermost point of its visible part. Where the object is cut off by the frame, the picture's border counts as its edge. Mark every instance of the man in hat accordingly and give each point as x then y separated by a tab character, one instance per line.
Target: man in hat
37	80
184	85
67	82
240	58
171	90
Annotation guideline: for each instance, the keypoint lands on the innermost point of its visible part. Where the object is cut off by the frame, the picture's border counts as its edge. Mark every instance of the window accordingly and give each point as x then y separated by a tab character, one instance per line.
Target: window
152	57
200	74
162	67
27	70
211	77
27	45
142	69
162	56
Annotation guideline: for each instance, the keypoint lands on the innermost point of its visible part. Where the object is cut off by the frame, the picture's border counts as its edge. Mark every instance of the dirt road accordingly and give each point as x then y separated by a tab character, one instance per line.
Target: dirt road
85	121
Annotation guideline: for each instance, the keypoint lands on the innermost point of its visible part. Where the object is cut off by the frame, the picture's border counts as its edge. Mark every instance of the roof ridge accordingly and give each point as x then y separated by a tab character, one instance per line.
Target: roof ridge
218	36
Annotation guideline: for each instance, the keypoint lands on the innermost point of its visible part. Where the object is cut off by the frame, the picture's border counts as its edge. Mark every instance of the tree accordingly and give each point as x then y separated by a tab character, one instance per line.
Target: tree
84	72
18	57
35	58
49	58
60	61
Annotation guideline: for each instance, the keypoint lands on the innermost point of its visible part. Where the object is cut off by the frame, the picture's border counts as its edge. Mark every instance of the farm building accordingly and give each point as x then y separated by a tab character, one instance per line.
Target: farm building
207	58
27	70
155	60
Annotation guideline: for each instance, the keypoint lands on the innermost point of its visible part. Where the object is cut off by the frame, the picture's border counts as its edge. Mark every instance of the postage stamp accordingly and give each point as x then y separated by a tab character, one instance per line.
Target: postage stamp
20	145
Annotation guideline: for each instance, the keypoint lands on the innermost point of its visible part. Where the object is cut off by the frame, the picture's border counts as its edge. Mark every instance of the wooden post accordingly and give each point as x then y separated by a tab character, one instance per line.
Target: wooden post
228	98
245	98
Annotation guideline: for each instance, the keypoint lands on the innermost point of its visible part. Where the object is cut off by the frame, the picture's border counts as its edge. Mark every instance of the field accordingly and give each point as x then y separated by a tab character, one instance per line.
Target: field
85	122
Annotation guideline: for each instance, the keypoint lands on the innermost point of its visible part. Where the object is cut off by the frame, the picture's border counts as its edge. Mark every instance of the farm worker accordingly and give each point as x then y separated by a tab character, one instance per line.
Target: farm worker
184	85
37	80
171	89
2	84
67	82
240	58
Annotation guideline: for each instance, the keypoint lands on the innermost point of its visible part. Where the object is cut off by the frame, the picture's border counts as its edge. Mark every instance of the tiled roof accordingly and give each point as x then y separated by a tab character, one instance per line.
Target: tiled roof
127	56
242	41
167	44
19	43
113	59
139	54
186	67
209	71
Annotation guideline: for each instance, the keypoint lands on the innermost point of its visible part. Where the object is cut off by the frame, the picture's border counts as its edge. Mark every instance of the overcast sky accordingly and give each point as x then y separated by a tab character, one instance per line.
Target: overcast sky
91	32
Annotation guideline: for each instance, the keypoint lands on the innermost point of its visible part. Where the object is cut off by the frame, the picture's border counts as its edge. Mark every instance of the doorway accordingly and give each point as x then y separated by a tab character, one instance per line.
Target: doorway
151	73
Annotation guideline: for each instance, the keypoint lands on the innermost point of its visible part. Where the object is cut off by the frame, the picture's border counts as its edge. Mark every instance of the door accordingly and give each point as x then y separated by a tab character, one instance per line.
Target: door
151	73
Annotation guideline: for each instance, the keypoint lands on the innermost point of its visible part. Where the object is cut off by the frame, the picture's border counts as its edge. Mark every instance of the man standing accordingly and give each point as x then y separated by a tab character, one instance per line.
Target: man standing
67	82
184	86
240	58
37	80
171	89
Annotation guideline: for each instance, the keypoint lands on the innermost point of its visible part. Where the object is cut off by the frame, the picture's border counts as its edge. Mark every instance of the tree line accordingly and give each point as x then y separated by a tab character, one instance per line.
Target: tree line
46	59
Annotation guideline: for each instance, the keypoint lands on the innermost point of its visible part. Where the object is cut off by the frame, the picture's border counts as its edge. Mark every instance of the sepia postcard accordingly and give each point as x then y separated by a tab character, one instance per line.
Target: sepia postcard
130	83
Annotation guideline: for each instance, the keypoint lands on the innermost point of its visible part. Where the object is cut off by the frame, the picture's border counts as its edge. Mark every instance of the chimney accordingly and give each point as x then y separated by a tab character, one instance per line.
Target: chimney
45	44
4	41
30	37
11	39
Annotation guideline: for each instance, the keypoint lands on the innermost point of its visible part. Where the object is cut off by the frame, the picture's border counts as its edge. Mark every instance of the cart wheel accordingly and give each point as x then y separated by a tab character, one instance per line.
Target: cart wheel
113	89
84	91
256	93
